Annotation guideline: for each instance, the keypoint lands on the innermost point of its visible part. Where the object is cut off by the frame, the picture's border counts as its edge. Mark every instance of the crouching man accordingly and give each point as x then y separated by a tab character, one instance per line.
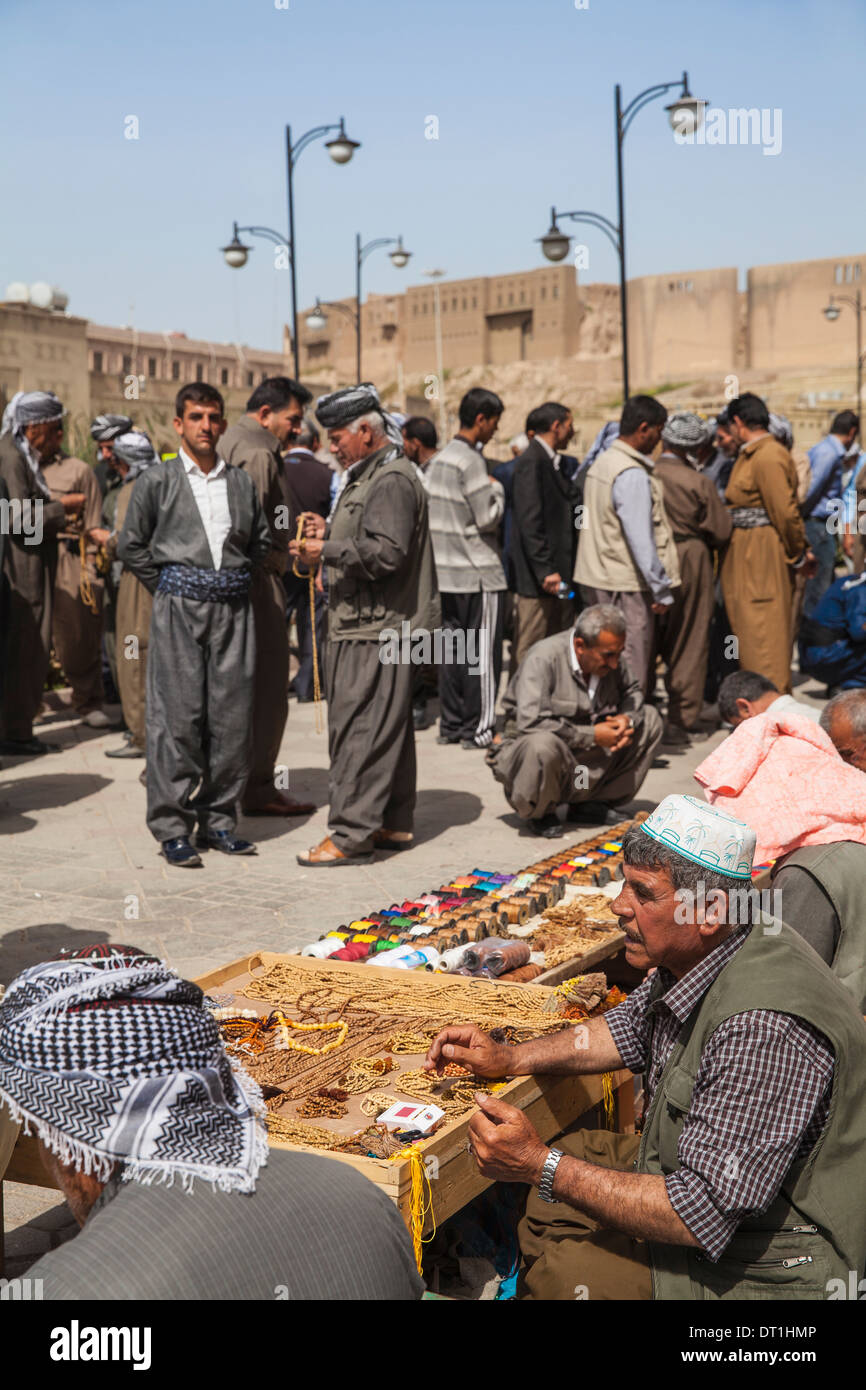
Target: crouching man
746	1182
577	729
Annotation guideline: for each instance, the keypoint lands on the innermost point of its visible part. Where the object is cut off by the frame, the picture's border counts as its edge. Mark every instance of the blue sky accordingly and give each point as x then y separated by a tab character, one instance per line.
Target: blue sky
523	92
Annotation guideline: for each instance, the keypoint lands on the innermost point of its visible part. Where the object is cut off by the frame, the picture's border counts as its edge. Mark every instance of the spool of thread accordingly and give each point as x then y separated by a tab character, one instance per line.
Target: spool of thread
515	912
356	951
321	950
452	959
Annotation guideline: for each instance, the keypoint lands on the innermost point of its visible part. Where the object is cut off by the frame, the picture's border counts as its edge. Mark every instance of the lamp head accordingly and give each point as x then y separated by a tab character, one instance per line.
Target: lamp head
236	253
399	256
555	244
316	318
341	148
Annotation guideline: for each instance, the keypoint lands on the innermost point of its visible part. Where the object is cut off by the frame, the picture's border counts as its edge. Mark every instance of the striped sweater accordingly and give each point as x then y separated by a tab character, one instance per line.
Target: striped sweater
465	511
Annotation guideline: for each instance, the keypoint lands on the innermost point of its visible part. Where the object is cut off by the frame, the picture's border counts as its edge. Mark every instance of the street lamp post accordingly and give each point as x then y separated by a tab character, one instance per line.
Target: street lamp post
399	257
685	115
340	148
436	276
831	313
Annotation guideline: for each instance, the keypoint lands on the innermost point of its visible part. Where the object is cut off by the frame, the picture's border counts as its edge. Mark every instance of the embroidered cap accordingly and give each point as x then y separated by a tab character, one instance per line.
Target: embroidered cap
703	834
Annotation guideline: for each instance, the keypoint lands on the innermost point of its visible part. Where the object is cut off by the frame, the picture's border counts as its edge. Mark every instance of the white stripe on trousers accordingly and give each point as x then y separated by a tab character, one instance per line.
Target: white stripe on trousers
483	735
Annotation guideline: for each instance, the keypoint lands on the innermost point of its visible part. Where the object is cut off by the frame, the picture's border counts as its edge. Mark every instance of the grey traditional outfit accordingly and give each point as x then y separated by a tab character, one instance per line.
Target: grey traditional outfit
248	445
550	755
821	888
78	589
29	567
194	539
380	576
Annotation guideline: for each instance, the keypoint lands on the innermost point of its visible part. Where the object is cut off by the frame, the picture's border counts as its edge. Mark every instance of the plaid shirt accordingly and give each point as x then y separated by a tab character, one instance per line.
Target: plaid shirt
760	1101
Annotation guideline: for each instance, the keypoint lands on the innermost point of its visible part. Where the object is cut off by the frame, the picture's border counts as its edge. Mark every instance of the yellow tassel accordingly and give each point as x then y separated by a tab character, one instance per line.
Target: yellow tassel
420	1202
607	1091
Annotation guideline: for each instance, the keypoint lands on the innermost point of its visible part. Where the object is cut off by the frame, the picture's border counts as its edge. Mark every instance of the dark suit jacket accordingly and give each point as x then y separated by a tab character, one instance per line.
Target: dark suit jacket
543	534
163	526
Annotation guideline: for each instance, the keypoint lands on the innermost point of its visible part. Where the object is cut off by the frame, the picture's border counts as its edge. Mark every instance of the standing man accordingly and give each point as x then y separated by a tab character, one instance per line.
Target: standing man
377	550
32	433
466	507
701	524
420	440
275	412
767	545
543	533
626	554
194	533
308	483
824	500
78	590
133	453
104	430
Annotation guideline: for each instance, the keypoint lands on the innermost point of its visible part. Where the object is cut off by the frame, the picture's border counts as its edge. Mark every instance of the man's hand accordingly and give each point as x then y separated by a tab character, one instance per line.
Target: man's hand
848	544
314	525
310	554
504	1143
659	607
99	536
73	501
810	564
551	582
471	1048
614	732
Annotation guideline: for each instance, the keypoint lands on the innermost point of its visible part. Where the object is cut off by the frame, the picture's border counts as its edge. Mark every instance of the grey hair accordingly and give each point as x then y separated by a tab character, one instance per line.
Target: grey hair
601	617
849	702
641	851
308	435
371	418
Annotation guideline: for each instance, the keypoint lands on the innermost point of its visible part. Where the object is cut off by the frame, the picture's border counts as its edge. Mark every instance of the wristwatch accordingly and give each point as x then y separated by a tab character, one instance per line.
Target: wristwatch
545	1186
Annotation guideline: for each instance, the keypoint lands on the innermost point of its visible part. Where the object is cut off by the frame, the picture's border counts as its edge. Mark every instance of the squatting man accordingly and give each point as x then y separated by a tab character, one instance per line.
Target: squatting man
745	1182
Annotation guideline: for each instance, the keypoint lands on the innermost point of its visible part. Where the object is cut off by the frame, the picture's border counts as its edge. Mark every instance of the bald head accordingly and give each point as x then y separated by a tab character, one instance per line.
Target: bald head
844	719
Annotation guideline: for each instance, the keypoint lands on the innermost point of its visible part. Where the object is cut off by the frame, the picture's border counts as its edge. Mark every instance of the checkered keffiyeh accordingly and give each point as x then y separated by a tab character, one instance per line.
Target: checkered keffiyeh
111	1058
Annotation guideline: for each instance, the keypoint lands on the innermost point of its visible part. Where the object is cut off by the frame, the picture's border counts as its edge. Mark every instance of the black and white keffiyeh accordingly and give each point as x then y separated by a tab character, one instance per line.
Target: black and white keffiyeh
112	1058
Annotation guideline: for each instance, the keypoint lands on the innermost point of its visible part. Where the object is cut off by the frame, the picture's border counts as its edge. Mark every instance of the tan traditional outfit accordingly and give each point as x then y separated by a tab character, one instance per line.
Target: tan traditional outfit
769	539
77	625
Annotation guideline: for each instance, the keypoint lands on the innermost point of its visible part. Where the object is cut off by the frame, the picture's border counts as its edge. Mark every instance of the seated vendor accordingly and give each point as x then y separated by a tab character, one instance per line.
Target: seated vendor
577	730
844	719
745	694
833	639
746	1182
158	1142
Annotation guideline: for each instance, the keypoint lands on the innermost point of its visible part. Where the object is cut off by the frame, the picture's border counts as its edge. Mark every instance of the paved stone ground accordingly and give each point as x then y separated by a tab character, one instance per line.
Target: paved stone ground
78	865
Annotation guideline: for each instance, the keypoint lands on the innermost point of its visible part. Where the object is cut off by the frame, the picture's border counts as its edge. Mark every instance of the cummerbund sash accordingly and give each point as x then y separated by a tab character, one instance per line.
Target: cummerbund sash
207	586
744	518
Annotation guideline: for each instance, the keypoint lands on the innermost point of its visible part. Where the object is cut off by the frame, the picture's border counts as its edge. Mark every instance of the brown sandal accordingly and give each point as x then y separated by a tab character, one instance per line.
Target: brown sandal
326	855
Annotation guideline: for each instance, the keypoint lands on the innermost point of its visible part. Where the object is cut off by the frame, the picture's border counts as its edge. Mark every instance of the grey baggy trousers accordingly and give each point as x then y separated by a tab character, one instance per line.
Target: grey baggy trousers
200	666
371	741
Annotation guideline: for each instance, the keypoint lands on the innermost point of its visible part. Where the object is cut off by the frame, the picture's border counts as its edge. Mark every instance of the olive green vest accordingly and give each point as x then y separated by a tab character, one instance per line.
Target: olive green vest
604	560
360	608
840	869
815	1230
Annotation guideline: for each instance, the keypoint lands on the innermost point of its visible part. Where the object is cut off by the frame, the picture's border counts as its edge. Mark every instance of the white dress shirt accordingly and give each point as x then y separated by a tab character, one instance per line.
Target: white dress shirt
591	682
211	494
551	453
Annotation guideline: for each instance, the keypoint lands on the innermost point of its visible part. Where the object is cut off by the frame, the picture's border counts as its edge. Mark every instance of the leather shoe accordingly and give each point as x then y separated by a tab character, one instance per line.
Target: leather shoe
181	853
126	750
326	855
593	813
549	827
225	841
27	747
281	806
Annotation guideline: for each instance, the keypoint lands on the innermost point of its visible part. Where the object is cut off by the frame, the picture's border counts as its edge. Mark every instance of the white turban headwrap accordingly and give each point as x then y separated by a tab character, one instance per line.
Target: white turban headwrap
31	408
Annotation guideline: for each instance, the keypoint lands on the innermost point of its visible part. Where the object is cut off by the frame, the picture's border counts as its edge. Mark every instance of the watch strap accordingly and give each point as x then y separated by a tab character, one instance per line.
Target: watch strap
545	1186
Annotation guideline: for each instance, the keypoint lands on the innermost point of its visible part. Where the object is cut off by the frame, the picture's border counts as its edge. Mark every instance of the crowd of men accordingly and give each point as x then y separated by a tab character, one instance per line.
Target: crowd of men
699	550
682	545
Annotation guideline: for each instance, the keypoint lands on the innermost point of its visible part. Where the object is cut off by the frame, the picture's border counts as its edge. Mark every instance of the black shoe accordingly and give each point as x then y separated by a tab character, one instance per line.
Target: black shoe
675	736
593	813
420	717
127	750
443	738
180	853
549	827
27	747
225	841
